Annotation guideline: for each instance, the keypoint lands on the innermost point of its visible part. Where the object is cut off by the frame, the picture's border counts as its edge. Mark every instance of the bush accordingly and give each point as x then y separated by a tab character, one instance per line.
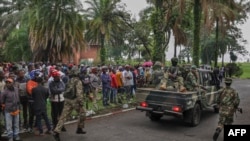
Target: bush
234	69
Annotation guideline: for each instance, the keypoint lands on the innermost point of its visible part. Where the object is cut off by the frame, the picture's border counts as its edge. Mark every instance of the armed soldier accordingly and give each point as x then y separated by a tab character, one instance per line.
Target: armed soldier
157	74
191	79
73	100
174	75
228	102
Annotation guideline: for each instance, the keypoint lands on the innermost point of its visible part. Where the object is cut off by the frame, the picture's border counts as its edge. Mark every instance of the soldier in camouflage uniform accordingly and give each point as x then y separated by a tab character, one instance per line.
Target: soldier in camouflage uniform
228	102
174	75
191	80
70	104
157	74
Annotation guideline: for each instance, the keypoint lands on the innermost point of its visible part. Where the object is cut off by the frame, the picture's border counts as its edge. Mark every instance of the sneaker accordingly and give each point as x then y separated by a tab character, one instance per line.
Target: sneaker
56	136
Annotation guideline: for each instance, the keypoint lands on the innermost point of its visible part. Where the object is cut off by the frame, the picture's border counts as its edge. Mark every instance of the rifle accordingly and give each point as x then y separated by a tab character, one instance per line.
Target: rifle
204	88
239	110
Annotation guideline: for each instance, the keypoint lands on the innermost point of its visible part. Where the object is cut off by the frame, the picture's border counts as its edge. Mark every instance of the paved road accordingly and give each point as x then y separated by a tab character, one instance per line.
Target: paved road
134	126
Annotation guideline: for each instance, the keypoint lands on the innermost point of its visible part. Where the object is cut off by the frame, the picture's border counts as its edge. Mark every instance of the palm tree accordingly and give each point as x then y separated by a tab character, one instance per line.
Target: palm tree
55	29
11	14
222	13
106	18
17	46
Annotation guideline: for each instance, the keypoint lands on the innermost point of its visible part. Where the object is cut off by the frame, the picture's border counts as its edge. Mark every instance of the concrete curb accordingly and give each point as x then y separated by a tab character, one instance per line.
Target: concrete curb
90	118
104	115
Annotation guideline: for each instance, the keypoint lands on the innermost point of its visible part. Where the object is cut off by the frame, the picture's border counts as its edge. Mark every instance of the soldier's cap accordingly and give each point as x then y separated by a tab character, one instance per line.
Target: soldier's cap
193	67
74	71
228	80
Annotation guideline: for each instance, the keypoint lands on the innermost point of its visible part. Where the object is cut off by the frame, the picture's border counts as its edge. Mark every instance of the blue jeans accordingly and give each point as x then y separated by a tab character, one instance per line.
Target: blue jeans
12	125
105	95
113	95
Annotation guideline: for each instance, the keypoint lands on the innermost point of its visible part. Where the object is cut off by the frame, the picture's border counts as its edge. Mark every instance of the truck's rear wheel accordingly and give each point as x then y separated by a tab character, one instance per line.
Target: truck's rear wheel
192	116
196	115
154	117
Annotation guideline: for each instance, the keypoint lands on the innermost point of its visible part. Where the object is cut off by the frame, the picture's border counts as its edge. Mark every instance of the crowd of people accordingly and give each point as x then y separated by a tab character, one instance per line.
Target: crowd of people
25	89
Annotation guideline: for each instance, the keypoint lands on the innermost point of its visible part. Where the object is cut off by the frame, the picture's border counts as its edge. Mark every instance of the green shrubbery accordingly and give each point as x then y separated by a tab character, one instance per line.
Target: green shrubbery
234	69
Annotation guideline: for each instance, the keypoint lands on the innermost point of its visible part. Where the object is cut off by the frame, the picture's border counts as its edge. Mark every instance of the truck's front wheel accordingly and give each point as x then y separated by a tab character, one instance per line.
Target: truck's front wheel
154	117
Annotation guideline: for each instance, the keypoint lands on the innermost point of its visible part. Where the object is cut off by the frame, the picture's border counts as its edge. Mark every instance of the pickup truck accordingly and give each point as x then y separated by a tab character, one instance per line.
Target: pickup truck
185	105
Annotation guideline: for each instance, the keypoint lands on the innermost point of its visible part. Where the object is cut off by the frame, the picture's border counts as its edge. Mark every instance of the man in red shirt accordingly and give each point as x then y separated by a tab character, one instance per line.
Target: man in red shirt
114	86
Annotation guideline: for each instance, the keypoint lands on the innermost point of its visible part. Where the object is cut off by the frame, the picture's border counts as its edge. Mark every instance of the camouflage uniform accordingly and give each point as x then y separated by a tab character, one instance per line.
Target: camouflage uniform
157	74
174	73
228	101
70	105
191	80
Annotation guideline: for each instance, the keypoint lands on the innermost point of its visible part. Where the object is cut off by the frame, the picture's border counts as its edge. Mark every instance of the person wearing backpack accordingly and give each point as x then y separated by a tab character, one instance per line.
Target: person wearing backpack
29	86
85	78
73	101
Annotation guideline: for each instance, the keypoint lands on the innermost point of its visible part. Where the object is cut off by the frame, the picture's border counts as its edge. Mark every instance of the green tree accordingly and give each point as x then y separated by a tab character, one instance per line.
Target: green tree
105	20
17	46
11	14
55	29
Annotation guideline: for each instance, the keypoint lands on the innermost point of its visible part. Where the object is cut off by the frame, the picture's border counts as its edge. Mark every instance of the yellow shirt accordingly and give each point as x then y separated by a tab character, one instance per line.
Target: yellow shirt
119	78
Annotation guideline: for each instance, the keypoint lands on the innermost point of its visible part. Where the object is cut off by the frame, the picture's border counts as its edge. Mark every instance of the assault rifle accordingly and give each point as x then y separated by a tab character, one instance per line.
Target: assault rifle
239	110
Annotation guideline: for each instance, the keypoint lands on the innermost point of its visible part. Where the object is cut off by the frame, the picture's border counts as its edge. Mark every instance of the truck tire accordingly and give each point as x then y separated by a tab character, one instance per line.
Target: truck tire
192	116
154	117
196	115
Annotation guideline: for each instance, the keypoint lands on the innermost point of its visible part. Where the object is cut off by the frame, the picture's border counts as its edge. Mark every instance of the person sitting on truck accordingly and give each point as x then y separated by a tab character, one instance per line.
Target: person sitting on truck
157	74
174	76
191	79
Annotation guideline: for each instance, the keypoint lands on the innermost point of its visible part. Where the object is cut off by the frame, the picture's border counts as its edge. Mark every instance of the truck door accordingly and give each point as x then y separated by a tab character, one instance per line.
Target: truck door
209	95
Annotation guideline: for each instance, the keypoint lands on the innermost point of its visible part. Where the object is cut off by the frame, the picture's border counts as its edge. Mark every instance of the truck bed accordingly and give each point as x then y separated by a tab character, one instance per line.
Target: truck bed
159	99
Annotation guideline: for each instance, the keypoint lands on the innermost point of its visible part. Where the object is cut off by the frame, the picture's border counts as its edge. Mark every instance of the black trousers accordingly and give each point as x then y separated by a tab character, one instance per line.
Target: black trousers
31	114
24	103
56	111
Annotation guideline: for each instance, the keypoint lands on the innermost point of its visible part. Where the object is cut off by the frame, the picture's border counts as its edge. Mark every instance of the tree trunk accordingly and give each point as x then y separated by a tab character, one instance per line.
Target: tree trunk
175	48
222	60
197	21
103	50
216	43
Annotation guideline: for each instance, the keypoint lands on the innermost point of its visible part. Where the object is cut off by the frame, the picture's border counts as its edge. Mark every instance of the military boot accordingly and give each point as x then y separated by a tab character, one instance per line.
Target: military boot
216	134
56	136
80	131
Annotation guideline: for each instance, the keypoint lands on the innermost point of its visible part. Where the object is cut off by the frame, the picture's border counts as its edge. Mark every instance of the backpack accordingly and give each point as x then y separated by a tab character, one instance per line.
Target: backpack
30	85
86	80
70	90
